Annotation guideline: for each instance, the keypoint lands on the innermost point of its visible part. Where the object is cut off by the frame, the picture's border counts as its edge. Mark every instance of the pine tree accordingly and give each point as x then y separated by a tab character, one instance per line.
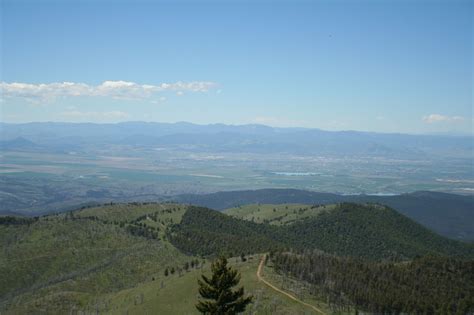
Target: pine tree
218	291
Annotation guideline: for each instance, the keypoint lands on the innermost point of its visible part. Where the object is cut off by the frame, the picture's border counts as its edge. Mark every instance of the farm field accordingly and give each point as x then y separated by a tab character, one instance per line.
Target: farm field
35	182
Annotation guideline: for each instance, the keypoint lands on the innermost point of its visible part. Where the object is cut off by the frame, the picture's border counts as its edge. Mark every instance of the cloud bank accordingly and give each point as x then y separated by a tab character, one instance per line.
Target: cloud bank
113	89
436	118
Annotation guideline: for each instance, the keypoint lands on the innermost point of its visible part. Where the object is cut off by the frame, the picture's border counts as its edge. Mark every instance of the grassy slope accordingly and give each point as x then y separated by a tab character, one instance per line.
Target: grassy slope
179	294
57	262
276	214
130	211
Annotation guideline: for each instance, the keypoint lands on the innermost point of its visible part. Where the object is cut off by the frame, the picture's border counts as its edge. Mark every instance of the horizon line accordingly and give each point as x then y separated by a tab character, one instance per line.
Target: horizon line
451	134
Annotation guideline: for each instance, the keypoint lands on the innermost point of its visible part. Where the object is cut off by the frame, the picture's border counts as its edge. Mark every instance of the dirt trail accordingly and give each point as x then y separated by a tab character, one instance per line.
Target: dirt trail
260	278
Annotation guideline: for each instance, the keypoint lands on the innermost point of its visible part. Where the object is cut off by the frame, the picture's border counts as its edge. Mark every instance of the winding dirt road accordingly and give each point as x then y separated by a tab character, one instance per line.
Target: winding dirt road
260	278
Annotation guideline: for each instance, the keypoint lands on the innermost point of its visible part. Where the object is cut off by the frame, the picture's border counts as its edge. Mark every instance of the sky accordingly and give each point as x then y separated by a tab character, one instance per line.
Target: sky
384	66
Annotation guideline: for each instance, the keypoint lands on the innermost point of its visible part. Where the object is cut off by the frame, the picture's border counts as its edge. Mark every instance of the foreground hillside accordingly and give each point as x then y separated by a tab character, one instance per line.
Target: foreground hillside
63	261
177	294
111	259
427	285
146	257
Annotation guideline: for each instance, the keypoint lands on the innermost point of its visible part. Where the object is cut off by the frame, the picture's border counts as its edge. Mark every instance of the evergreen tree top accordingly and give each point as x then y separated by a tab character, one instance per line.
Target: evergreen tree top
217	290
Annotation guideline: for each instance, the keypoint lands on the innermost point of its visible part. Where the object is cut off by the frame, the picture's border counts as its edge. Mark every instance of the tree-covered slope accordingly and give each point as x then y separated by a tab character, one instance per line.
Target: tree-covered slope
370	231
207	232
427	285
450	215
59	262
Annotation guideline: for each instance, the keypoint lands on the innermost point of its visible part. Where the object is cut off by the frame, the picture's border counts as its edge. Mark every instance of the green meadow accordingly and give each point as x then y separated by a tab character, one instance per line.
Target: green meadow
277	214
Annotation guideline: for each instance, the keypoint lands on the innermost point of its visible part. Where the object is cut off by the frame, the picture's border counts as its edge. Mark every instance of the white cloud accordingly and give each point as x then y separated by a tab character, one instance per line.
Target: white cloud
196	86
114	89
436	118
43	91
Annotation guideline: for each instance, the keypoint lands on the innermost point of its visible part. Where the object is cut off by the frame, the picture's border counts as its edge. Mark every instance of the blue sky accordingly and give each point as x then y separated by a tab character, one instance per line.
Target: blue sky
389	66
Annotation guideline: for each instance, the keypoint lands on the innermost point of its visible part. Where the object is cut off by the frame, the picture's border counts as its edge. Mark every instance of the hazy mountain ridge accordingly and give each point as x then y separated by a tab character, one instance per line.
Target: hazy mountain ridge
18	143
234	138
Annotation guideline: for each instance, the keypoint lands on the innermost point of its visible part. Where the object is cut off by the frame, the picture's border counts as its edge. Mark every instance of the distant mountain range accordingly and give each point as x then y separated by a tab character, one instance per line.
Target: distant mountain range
18	143
235	138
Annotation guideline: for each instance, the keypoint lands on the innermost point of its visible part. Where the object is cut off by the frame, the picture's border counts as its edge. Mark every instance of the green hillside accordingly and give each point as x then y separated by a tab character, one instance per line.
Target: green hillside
369	231
207	232
373	232
280	214
60	261
177	294
449	215
112	258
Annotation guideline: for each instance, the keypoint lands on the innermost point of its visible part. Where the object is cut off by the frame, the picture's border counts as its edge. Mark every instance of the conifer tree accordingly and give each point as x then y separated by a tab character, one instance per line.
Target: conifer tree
217	291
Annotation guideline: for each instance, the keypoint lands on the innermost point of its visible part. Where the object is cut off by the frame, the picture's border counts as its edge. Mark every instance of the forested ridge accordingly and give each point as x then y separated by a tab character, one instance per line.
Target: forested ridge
207	232
449	215
426	285
371	231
